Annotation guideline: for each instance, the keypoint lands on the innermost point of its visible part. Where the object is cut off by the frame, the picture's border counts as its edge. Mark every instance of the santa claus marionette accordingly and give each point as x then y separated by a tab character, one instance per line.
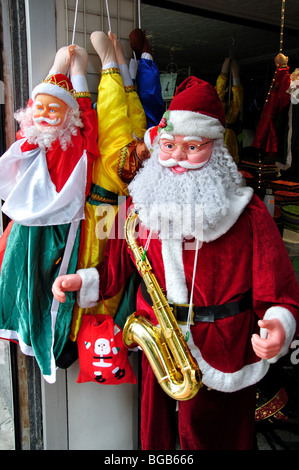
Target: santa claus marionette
266	137
44	179
211	242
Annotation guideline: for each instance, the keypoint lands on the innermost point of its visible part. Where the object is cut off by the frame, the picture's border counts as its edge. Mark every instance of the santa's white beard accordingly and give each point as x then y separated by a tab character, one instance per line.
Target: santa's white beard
44	137
184	205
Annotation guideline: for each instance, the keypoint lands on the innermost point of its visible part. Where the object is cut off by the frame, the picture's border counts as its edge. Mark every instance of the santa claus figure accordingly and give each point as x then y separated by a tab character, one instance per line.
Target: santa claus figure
211	242
266	137
44	179
277	131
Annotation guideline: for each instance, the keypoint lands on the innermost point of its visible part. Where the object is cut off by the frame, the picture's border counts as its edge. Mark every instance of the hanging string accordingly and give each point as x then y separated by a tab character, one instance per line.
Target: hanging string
139	25
139	15
147	245
108	16
75	22
282	16
281	25
74	30
192	289
230	80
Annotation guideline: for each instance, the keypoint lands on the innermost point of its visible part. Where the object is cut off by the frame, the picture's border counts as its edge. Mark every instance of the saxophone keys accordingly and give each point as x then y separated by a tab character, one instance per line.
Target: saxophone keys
168	333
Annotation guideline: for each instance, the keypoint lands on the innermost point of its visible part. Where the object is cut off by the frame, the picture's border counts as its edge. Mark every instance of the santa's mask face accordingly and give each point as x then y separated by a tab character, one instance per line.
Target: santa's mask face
183	153
49	111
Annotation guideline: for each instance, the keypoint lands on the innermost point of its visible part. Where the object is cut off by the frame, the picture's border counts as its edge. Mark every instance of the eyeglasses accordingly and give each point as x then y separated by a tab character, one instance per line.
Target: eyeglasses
188	148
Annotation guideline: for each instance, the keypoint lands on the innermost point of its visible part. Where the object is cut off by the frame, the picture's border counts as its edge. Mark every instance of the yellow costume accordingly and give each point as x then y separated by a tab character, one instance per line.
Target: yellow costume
231	113
121	123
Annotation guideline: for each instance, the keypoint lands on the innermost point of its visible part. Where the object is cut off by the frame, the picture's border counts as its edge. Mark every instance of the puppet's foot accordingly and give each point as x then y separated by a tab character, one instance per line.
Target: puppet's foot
118	49
62	60
136	41
146	44
79	61
139	42
103	47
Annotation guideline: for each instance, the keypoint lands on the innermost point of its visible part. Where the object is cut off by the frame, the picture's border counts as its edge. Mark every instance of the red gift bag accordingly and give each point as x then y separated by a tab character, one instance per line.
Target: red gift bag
103	356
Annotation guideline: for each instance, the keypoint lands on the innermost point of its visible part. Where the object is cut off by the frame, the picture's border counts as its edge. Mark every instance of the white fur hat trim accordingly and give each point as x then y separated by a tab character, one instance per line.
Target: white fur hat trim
55	90
191	123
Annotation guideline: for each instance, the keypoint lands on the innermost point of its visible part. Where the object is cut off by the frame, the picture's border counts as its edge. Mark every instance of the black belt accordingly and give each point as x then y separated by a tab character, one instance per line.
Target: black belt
206	314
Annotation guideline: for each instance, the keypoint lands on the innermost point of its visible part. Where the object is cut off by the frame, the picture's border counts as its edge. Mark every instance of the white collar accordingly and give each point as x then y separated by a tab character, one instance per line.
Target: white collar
172	250
238	202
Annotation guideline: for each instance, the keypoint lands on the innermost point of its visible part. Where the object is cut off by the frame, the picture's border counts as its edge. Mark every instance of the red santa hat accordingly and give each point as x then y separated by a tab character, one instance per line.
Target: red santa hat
195	110
58	85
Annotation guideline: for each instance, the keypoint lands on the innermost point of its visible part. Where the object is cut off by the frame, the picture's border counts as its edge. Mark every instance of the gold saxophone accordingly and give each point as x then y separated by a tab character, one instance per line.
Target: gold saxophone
169	356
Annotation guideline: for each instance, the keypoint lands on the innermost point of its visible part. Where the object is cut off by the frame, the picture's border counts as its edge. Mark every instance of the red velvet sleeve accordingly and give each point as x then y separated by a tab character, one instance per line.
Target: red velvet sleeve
89	132
89	135
282	84
273	279
265	136
117	265
61	163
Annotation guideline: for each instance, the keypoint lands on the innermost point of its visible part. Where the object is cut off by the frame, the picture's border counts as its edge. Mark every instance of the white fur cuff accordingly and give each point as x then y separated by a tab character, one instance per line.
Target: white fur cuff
88	295
289	324
146	55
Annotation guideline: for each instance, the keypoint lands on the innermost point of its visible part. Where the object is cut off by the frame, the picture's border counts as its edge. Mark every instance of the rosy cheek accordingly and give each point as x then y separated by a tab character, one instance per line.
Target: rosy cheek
164	156
201	156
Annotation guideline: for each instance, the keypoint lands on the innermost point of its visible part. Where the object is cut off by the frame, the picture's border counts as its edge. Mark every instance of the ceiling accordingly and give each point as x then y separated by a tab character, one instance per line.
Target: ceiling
198	34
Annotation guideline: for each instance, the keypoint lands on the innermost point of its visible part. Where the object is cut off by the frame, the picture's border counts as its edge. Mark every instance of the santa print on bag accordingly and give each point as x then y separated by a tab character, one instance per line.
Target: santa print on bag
105	350
103	357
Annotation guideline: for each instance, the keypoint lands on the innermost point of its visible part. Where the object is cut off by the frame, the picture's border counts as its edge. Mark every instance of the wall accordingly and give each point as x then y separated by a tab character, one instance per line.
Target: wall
92	16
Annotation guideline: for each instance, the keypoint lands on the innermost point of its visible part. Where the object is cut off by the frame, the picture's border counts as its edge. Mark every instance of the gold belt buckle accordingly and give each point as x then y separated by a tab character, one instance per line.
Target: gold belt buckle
176	316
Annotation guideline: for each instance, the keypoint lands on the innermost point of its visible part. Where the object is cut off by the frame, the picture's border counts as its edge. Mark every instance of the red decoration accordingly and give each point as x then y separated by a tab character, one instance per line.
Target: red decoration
103	356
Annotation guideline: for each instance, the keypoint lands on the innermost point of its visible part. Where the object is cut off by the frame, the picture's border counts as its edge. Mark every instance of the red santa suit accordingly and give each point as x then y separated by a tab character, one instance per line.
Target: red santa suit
266	137
242	274
61	163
